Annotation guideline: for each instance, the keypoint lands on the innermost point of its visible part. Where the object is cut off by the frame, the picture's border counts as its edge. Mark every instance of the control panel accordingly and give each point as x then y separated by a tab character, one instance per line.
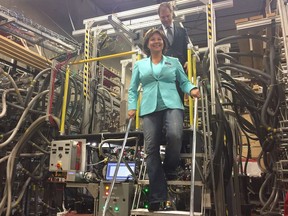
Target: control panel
66	155
121	198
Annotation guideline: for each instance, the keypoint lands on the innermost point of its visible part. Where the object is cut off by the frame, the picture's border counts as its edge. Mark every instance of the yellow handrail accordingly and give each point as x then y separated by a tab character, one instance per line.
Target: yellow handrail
105	57
189	66
137	121
194	60
194	70
192	77
64	105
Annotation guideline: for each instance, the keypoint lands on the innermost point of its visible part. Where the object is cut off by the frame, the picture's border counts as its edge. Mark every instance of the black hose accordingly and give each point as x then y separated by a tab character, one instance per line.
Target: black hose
270	95
255	72
225	40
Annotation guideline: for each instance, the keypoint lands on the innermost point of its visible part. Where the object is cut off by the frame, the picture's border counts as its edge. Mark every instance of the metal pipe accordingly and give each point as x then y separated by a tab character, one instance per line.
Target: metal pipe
117	168
193	157
210	26
204	111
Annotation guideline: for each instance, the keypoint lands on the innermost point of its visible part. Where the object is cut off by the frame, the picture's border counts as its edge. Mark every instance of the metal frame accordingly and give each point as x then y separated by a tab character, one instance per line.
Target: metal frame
117	24
257	23
47	38
148	21
143	11
283	11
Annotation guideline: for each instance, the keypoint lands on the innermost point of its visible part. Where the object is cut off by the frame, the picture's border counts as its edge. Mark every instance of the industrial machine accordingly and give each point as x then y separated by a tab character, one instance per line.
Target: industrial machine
64	144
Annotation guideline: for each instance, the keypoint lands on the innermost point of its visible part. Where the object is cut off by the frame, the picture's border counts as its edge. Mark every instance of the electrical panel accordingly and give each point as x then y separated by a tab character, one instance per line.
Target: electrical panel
66	155
121	198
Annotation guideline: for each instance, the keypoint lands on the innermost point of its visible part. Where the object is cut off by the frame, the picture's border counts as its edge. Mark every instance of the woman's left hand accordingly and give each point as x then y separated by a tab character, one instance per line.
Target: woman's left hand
195	93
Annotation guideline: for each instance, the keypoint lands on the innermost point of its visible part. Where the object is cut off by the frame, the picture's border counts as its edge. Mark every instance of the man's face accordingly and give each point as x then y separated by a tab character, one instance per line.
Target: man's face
166	16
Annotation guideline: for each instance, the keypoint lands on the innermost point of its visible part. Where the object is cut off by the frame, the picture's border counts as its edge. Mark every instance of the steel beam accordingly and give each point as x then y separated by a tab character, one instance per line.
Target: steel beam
257	23
143	11
118	25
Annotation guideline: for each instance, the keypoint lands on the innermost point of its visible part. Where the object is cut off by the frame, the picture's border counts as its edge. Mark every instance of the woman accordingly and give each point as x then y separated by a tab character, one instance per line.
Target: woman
161	107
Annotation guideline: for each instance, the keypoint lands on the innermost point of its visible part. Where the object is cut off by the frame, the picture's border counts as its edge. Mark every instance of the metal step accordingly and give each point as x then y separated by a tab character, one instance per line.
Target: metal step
186	183
141	211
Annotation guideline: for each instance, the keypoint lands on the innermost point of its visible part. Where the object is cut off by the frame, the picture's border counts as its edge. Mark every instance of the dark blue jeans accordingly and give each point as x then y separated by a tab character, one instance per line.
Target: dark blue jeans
171	120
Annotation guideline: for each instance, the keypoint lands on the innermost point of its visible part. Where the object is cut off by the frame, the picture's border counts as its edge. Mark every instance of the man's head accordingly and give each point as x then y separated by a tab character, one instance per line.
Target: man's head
165	12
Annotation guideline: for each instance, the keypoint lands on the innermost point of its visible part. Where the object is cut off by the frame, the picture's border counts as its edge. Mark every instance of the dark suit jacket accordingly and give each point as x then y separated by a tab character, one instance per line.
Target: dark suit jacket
179	47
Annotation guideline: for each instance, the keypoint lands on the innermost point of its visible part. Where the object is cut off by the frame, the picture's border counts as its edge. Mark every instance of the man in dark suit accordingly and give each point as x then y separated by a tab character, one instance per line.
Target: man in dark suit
177	37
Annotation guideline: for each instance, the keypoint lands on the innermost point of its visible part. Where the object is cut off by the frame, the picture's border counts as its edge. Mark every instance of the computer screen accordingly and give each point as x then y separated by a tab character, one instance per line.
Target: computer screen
123	172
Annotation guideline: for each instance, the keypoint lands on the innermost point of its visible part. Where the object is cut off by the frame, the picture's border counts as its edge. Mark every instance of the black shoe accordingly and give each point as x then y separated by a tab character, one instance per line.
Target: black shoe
154	207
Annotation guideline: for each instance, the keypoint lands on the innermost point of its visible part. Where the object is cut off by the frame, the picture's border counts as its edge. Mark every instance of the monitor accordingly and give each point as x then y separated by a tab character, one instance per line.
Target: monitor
123	172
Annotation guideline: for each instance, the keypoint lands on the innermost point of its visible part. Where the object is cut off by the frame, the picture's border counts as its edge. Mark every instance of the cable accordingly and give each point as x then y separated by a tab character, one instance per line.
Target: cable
112	140
23	116
32	86
19	97
12	157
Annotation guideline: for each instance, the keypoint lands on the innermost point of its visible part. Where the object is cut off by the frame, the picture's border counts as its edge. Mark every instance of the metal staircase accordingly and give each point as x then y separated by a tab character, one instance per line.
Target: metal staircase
197	159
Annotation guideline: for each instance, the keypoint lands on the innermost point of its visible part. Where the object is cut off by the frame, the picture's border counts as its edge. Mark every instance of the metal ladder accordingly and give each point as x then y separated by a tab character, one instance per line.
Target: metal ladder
198	182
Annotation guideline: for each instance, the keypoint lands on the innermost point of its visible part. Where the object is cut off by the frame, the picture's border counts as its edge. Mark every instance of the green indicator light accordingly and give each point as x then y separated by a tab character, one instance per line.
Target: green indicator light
146	206
116	209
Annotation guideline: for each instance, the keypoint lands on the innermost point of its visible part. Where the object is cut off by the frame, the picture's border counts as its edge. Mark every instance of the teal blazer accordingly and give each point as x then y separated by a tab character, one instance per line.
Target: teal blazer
152	85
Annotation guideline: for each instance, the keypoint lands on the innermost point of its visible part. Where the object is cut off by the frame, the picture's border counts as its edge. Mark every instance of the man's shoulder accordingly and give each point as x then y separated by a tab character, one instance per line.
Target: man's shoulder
180	28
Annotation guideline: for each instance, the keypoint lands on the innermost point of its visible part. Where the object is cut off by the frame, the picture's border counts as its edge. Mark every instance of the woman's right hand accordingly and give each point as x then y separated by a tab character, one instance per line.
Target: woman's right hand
131	114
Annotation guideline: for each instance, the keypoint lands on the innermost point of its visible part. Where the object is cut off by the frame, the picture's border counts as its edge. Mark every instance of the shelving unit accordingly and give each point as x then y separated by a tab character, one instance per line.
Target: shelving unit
110	80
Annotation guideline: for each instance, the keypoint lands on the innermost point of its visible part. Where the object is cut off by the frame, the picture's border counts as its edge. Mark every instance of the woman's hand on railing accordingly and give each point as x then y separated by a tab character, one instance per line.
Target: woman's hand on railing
131	114
195	93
